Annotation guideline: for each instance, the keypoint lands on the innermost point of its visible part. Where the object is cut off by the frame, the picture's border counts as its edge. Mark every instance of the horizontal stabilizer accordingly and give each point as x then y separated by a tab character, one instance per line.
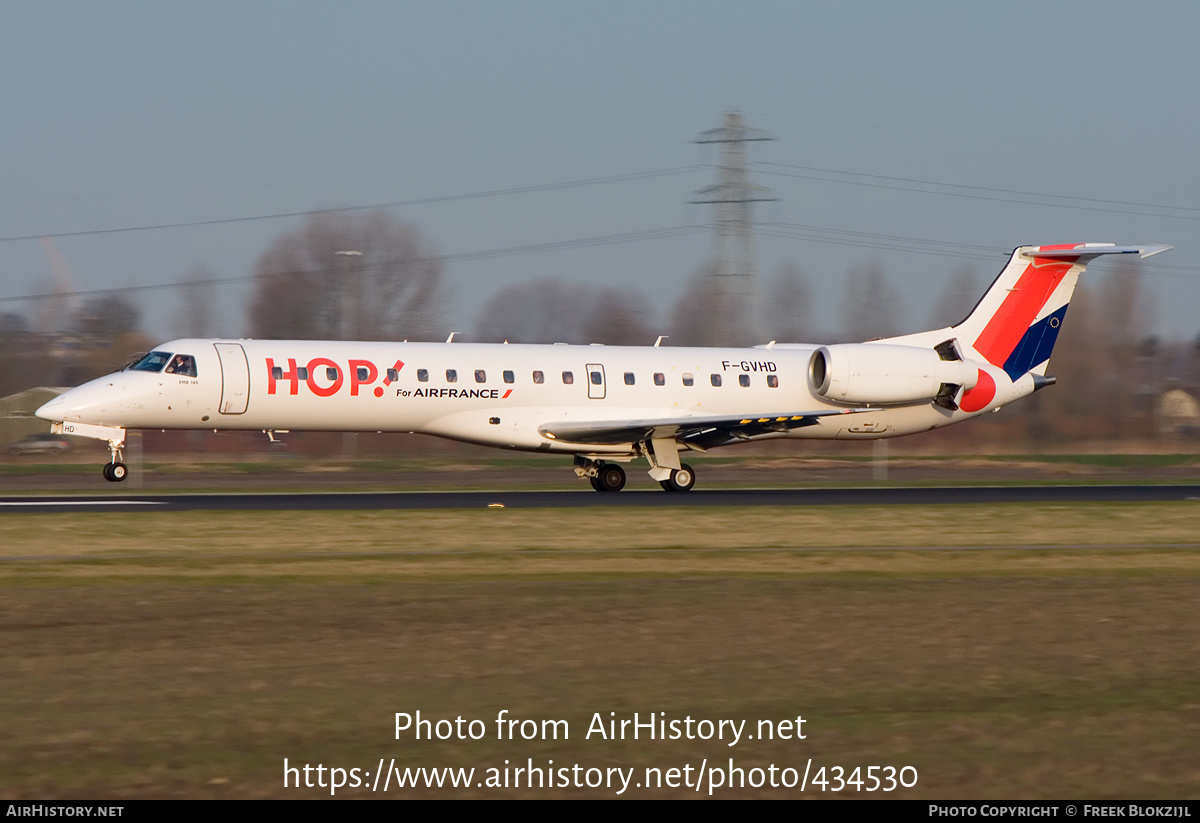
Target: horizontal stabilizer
1085	252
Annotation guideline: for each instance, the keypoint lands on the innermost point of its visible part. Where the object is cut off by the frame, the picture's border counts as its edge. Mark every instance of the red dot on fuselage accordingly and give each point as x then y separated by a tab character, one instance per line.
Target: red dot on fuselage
379	391
978	397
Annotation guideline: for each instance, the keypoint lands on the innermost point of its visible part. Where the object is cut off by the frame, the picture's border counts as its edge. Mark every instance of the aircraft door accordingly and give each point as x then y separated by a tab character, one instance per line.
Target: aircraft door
235	378
595	378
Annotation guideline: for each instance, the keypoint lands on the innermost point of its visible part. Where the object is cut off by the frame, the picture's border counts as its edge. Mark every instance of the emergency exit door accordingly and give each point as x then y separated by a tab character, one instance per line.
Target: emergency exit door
595	378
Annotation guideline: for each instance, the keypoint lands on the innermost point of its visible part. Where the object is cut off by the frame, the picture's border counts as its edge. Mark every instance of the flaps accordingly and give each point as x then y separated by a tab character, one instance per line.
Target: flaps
697	430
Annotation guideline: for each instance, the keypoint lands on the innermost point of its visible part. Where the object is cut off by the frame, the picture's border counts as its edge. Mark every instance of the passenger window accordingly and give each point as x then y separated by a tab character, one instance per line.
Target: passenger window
660	379
568	378
480	376
331	373
509	377
688	380
744	381
393	375
277	372
538	377
628	378
772	381
182	364
422	375
451	375
597	378
715	379
361	372
302	372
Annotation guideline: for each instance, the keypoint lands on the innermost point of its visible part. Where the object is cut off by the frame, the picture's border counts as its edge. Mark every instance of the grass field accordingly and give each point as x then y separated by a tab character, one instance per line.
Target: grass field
481	469
1041	651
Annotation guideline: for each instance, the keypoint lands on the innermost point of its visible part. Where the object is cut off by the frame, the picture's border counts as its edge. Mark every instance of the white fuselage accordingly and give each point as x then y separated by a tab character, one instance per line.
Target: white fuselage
604	404
493	394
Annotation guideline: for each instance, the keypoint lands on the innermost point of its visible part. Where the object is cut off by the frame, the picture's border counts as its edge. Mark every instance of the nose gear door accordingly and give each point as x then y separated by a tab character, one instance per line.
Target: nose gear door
235	378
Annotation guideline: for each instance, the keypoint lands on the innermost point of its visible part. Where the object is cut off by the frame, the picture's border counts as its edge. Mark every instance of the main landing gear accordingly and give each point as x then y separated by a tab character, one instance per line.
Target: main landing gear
681	480
610	477
604	477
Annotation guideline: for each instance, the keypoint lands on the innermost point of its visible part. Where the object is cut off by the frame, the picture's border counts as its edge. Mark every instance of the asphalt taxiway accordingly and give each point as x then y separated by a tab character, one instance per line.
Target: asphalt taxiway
860	496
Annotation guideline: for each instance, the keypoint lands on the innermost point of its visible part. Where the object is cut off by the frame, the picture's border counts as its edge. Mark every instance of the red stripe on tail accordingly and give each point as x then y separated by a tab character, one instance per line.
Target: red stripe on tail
1018	311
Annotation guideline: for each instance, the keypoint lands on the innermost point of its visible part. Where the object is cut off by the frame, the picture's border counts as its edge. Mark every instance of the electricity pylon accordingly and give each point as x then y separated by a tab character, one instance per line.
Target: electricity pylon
737	307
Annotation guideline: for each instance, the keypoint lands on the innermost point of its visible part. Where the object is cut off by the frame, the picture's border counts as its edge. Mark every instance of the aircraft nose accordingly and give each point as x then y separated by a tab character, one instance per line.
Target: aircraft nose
90	403
52	410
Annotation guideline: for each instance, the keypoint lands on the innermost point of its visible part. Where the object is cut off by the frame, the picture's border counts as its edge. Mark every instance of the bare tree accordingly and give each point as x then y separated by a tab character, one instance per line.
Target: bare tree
195	315
789	306
960	293
20	355
1126	311
870	306
615	317
1104	360
344	276
103	337
550	311
101	320
696	311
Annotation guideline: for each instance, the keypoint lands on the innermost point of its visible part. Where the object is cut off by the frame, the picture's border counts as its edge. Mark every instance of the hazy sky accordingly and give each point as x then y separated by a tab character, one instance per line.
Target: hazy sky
922	136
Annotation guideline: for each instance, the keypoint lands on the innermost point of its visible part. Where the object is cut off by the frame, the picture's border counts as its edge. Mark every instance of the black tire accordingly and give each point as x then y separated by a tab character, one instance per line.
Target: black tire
115	472
681	479
611	478
595	481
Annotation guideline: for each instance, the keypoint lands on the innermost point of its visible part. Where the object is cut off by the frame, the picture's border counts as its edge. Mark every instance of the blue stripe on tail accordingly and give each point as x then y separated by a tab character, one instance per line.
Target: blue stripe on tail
1035	345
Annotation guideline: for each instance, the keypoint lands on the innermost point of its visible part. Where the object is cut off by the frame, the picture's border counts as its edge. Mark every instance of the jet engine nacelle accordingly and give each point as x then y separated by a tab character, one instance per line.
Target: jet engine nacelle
882	374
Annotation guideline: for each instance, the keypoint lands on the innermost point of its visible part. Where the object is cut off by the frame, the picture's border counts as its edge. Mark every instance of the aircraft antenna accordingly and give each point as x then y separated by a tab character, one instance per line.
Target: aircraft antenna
737	307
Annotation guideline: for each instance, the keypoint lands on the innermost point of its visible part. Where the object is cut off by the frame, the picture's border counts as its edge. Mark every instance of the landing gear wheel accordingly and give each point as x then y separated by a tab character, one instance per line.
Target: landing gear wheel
610	479
681	479
115	472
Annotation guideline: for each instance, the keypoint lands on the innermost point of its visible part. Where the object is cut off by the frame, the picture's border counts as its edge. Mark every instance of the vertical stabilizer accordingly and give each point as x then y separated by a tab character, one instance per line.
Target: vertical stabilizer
1016	323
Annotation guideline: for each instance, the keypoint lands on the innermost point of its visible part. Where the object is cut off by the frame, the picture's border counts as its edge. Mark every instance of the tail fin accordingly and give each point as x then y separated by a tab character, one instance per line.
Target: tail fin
1015	324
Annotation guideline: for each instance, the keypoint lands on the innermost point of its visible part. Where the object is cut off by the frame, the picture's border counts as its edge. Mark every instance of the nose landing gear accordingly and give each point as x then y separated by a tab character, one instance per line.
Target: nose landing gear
115	472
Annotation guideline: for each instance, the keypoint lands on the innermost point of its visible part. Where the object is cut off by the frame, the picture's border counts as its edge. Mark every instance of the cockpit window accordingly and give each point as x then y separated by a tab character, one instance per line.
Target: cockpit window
154	361
182	364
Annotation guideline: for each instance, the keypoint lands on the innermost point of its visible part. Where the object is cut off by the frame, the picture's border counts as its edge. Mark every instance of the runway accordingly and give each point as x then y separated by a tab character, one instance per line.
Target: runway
922	496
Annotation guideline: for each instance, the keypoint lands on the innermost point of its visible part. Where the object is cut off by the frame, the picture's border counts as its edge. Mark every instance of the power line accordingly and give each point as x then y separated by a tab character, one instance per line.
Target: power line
789	231
936	248
887	242
974	192
421	201
531	248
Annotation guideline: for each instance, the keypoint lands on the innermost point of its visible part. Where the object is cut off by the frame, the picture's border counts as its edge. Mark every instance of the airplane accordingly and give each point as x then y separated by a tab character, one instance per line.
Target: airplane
603	405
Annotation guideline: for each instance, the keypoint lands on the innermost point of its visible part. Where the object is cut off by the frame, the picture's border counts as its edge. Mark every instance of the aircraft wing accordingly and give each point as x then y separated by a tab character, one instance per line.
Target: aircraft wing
702	431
